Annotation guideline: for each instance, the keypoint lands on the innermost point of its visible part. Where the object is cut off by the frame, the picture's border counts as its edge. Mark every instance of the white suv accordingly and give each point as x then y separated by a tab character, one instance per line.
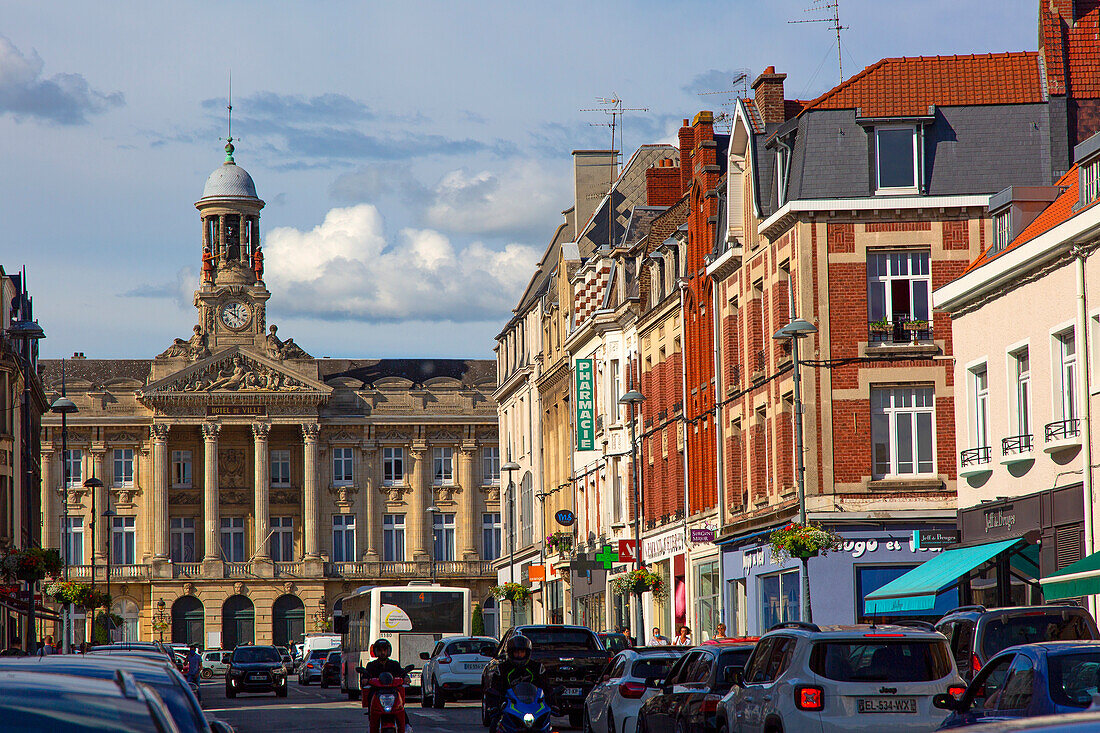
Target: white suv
867	679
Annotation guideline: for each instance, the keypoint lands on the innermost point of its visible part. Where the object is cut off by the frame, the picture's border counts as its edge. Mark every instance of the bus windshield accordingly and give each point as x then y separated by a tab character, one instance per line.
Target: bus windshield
422	611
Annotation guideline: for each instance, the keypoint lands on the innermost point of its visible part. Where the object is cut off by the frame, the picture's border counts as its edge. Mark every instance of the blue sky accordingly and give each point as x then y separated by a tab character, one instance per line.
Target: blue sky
414	156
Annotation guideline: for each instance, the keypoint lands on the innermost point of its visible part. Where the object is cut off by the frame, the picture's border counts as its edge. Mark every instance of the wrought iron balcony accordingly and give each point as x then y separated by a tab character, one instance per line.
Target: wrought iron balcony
1062	429
899	331
1016	444
761	361
974	456
409	569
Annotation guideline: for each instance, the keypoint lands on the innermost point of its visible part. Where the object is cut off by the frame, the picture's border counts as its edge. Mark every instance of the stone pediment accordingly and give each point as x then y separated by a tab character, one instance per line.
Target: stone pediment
235	371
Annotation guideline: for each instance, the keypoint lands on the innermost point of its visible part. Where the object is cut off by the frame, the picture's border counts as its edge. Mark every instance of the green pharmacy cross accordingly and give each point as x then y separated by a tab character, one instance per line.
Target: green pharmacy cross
608	557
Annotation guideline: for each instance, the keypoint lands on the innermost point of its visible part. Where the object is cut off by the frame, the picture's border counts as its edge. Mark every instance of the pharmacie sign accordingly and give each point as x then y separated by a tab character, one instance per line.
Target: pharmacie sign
586	405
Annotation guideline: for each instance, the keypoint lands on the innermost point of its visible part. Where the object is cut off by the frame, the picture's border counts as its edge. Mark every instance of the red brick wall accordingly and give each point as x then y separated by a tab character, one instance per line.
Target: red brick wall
841	238
663	480
899	226
956	235
662	185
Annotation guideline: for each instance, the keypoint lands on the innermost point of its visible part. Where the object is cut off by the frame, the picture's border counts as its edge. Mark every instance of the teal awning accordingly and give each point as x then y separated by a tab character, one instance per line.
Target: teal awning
917	589
1082	578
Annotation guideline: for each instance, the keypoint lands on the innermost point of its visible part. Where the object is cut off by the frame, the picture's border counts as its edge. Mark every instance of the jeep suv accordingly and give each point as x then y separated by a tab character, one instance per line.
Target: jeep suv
976	633
864	678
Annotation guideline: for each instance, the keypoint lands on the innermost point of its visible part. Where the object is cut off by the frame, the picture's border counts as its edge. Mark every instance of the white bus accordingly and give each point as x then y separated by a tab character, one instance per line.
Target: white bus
412	617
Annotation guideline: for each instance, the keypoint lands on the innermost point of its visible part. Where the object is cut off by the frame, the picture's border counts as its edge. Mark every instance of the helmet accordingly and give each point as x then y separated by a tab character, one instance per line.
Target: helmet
380	645
519	648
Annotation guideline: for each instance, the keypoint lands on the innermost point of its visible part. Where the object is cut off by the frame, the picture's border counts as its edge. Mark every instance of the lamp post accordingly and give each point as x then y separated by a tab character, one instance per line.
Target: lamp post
433	510
633	400
793	332
160	619
108	515
511	467
93	485
64	407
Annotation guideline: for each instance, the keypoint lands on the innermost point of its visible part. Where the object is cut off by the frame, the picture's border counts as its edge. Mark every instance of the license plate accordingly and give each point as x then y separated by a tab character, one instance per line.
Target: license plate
886	705
571	691
257	677
475	665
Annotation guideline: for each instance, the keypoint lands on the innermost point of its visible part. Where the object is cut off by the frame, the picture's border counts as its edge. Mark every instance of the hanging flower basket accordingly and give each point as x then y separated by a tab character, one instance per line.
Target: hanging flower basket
68	592
30	565
803	541
639	581
512	592
559	542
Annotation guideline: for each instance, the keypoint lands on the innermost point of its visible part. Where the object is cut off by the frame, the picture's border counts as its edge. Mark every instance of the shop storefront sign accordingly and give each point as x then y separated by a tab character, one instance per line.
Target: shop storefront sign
701	536
626	551
565	517
926	539
663	546
586	406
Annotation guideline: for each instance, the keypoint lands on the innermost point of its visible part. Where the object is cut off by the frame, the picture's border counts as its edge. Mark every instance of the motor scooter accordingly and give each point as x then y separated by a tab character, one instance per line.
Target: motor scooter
386	696
524	709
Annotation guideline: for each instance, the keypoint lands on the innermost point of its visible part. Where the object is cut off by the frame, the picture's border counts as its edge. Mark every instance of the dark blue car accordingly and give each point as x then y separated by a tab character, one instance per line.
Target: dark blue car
1025	681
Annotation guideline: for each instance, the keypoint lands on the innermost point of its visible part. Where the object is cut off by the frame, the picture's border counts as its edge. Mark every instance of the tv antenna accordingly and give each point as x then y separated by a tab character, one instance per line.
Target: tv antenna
613	107
740	83
831	8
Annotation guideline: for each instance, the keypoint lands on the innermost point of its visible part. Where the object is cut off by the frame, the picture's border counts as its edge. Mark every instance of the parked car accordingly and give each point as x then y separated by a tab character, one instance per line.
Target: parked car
803	677
215	662
317	642
1027	681
288	661
613	704
310	669
977	633
255	669
453	669
330	670
613	641
178	696
1073	723
688	696
572	659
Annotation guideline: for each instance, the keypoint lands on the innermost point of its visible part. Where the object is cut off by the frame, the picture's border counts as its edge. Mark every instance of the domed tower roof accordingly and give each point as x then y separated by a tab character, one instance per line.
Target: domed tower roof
229	181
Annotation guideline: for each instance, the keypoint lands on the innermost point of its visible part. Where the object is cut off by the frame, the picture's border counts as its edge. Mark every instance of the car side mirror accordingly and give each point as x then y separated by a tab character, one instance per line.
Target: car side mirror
425	656
488	650
220	726
944	701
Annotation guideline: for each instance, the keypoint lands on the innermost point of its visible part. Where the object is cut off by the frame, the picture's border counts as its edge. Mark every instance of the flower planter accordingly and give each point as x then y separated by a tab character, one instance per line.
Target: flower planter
803	541
916	326
511	592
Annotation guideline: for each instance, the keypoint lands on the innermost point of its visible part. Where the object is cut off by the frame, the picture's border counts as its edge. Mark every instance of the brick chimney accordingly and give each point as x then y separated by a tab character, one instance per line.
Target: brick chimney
768	90
662	184
687	147
1065	8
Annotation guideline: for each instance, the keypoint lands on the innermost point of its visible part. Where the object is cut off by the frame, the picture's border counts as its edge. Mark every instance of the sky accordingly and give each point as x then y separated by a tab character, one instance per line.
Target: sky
414	157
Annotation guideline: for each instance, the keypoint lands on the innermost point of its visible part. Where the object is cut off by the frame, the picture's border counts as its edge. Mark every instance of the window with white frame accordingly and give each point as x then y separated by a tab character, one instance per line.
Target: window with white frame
343	538
123	540
443	467
490	465
393	466
979	406
280	467
616	490
124	467
490	536
443	536
182	539
897	157
232	539
74	459
613	406
282	539
898	286
526	512
1020	363
181	468
341	466
393	537
1065	378
72	541
1000	231
902	431
1090	182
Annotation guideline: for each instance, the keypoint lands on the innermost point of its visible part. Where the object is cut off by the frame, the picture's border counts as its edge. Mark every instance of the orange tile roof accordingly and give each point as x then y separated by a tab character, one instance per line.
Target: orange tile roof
1071	51
908	86
1059	211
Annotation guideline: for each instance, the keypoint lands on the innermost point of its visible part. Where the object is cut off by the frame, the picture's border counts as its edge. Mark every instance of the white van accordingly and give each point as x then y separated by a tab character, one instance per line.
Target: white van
318	642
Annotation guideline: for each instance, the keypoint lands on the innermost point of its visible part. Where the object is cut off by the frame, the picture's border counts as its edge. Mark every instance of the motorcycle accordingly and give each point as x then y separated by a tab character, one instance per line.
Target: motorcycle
387	702
525	710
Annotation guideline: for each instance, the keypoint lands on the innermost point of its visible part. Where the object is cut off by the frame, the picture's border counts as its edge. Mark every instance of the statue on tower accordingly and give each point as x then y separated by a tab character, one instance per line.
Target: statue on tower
258	264
207	264
194	348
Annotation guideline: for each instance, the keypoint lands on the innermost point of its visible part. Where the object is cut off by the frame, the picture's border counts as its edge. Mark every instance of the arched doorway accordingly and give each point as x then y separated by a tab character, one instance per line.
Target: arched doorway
288	619
489	615
130	614
238	622
187	621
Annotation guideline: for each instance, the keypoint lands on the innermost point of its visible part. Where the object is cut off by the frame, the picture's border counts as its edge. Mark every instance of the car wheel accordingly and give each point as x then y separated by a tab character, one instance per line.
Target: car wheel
610	722
206	673
230	693
484	713
281	691
586	724
354	695
640	726
438	699
425	698
575	719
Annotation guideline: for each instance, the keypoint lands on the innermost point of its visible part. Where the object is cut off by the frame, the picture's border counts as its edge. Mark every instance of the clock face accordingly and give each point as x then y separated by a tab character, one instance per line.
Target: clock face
236	314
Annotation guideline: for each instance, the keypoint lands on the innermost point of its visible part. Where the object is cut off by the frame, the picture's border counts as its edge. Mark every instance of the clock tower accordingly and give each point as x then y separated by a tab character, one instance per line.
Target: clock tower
232	297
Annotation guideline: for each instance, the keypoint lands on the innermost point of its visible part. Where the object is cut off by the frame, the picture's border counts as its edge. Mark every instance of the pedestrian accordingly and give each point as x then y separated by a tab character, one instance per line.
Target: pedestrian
656	639
629	638
194	665
47	647
720	631
684	637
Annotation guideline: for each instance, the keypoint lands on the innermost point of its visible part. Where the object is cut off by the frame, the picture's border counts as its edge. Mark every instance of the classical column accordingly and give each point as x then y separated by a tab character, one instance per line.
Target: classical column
417	522
159	434
99	541
467	520
261	482
310	519
51	511
211	543
372	501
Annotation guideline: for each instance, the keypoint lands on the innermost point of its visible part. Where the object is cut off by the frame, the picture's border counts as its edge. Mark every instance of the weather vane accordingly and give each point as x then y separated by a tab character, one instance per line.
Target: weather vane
229	125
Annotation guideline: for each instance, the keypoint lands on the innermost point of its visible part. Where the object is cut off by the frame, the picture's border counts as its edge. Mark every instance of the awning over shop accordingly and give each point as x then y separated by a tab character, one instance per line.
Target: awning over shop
917	589
1082	578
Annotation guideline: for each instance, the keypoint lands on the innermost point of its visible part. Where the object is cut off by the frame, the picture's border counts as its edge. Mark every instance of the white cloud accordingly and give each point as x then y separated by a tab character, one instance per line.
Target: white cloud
525	199
345	268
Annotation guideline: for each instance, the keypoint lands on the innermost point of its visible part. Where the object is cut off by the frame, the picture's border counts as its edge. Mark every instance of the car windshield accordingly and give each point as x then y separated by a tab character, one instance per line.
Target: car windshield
333	658
252	654
648	668
1035	626
1074	678
319	654
467	646
563	640
881	660
614	642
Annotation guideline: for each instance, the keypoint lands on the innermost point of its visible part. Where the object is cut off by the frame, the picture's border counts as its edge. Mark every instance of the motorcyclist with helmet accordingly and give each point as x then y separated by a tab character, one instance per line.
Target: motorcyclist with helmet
517	667
375	668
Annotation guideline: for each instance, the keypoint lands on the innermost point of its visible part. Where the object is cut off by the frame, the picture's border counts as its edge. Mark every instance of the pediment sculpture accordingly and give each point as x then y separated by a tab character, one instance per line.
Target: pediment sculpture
279	349
194	348
240	374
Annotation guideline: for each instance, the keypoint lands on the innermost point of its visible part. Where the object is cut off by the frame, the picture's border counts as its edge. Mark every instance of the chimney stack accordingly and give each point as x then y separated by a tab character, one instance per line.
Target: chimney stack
662	184
768	90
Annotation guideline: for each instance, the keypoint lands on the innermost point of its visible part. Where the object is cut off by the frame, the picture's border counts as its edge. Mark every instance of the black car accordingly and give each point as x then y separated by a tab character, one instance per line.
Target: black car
977	633
688	700
330	671
255	669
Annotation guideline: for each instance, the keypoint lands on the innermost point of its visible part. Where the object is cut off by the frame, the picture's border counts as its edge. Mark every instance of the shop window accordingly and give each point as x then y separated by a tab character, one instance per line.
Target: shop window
871	578
779	599
707	609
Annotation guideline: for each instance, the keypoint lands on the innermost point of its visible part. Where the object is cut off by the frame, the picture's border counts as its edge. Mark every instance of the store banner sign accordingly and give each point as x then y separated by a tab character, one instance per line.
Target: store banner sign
586	405
928	539
702	536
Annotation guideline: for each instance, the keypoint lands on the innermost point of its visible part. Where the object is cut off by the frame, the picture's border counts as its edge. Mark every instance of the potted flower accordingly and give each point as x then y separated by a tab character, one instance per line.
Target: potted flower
915	325
803	541
68	592
30	564
511	592
559	541
639	581
883	325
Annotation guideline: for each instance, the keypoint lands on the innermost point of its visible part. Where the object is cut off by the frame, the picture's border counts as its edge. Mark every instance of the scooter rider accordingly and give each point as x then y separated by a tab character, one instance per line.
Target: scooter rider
374	669
518	667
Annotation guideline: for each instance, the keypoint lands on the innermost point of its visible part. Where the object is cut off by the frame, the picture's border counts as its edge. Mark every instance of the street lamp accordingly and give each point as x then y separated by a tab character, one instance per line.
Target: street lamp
108	515
510	467
633	400
793	332
433	510
93	485
64	407
160	619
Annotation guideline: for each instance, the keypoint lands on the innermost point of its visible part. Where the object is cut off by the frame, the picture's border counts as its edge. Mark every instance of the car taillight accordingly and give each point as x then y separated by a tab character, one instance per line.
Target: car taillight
310	665
444	660
809	697
975	664
632	690
956	691
710	703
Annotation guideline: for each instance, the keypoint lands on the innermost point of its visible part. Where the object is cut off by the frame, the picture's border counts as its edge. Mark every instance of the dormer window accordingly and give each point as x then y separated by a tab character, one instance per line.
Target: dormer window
897	160
1090	182
1001	226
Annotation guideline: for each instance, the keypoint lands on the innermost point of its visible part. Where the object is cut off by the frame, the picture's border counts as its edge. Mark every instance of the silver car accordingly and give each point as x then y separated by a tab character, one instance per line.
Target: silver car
613	704
214	662
856	679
